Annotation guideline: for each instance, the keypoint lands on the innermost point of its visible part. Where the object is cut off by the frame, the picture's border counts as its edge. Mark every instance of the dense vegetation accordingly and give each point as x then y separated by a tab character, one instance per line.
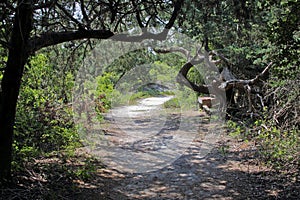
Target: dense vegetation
249	34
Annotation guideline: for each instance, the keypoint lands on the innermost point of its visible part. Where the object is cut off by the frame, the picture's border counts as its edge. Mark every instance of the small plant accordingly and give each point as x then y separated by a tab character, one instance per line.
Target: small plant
235	129
223	149
172	103
87	170
279	148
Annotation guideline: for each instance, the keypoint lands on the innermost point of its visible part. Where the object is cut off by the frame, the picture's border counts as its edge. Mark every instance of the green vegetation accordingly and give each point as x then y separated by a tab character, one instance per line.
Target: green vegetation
280	147
172	103
43	122
41	51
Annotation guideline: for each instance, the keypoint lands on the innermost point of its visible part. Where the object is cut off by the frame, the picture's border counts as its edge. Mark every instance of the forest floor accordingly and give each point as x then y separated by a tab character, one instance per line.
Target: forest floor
231	169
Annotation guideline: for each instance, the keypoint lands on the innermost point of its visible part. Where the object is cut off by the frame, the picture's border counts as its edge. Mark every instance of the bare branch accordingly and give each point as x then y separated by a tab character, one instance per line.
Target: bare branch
53	38
177	7
185	52
182	75
221	56
241	83
81	26
83	11
145	35
256	79
137	14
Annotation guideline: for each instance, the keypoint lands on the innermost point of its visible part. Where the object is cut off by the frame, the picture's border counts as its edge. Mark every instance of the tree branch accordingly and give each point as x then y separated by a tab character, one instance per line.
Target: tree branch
185	52
81	26
182	74
221	56
182	79
53	38
177	7
148	35
242	83
256	79
137	14
83	11
138	38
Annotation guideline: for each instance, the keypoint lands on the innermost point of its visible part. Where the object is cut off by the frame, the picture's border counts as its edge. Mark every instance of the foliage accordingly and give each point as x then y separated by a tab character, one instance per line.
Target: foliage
172	103
235	130
43	121
284	37
279	148
248	33
129	61
279	133
105	91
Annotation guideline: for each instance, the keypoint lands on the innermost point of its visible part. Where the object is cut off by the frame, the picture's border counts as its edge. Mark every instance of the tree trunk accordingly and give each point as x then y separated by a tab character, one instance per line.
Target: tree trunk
10	85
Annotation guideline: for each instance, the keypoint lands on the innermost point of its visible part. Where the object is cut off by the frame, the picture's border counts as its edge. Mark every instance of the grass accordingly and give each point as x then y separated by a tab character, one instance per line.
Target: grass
172	103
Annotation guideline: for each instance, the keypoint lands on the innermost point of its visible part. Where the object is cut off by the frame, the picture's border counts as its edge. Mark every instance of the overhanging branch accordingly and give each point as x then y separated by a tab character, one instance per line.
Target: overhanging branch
53	38
177	7
185	52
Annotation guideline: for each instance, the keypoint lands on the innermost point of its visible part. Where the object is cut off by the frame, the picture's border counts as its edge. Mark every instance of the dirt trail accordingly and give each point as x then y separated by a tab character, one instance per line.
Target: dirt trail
157	155
198	170
145	137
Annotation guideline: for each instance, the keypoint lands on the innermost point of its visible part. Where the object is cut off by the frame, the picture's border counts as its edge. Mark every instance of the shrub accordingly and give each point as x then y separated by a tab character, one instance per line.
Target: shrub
44	120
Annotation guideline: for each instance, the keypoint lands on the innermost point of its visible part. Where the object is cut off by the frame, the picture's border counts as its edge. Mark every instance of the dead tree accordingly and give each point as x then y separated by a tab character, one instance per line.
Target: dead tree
221	83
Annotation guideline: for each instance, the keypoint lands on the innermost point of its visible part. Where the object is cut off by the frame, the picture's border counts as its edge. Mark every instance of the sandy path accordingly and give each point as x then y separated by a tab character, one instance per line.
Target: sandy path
178	155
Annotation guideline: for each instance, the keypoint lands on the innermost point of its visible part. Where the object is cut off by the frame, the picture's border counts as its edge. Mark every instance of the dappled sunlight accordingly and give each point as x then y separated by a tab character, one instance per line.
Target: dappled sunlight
191	177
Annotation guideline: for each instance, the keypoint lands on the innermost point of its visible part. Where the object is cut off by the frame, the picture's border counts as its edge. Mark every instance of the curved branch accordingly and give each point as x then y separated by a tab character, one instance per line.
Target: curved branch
144	36
263	73
177	7
183	80
182	74
185	52
53	38
84	14
221	56
137	14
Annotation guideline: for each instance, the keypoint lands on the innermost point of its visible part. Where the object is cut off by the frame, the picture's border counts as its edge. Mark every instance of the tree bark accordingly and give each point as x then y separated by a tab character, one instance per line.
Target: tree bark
10	85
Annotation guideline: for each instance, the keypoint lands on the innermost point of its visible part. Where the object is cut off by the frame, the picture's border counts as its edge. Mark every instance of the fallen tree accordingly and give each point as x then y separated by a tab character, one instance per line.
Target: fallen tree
240	93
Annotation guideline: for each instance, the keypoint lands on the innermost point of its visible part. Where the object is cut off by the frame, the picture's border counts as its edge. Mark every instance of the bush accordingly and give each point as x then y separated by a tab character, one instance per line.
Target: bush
280	149
44	120
279	134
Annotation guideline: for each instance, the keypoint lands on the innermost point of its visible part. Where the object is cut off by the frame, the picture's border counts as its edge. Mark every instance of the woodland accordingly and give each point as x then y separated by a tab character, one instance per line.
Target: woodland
253	47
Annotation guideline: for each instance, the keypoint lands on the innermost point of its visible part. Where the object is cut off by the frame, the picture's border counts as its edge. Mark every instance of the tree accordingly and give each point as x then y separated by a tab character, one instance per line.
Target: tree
28	26
217	83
